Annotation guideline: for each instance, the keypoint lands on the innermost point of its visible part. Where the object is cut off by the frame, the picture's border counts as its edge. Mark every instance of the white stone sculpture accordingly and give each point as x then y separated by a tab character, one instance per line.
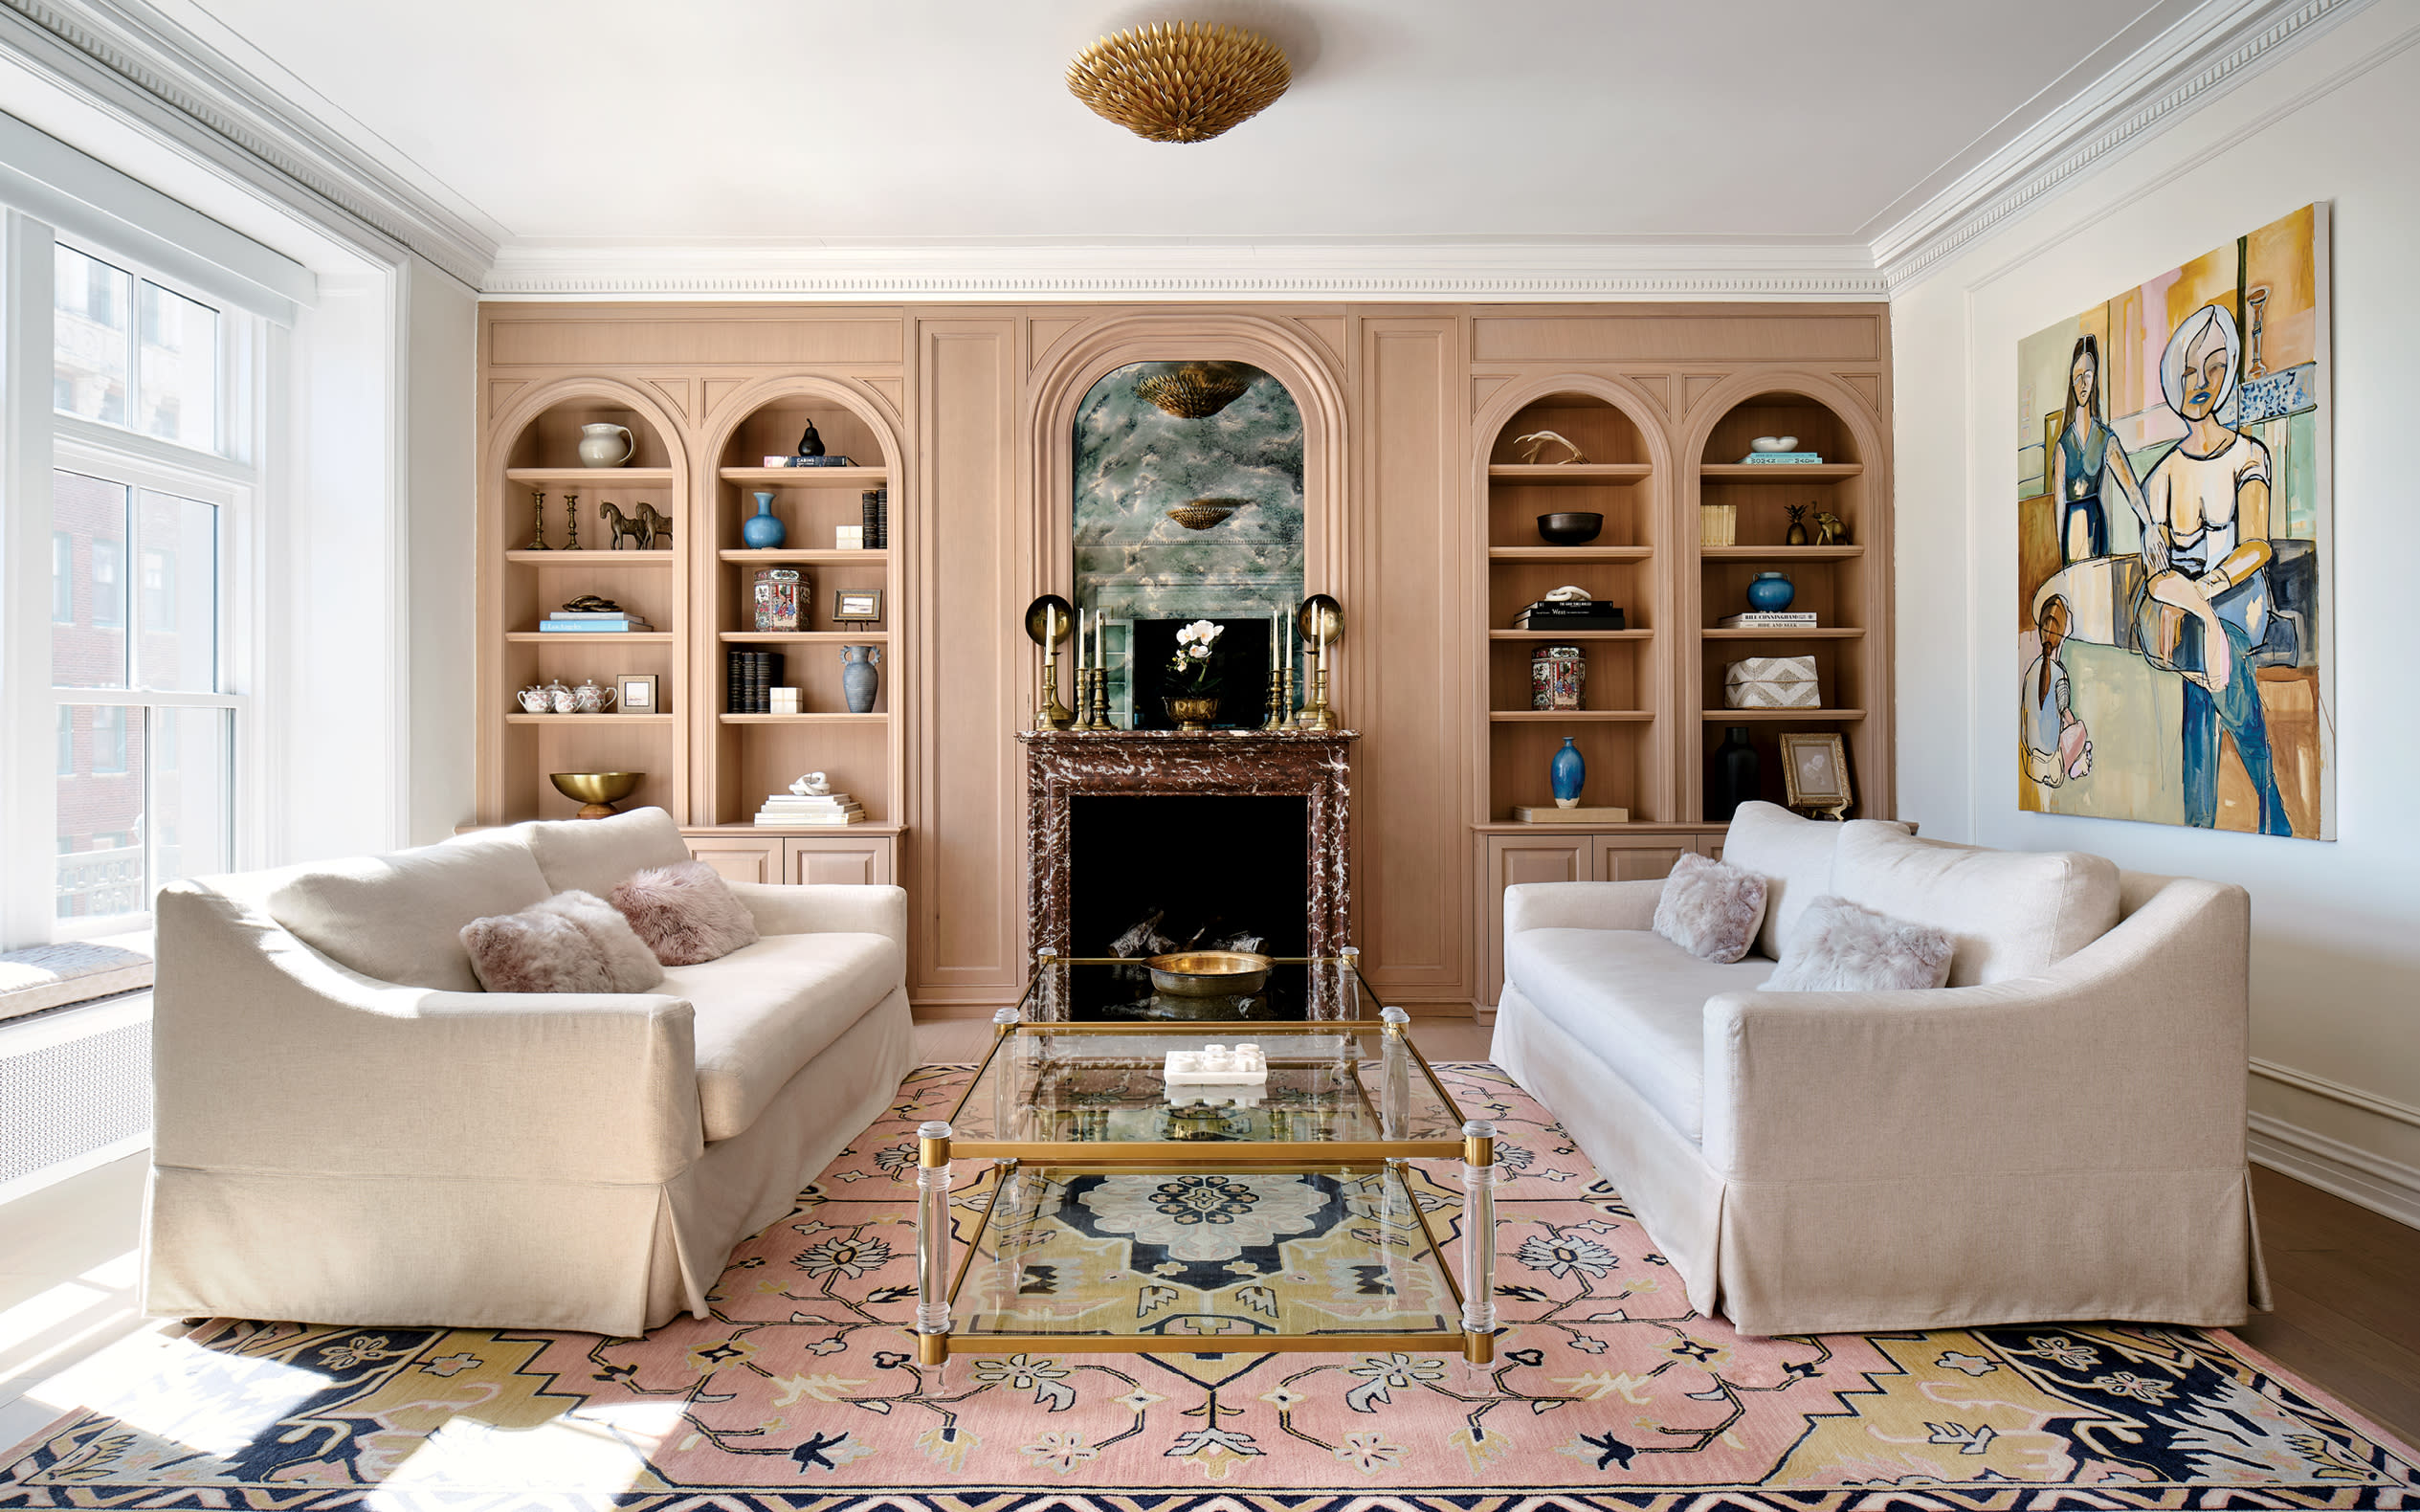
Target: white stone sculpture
1216	1065
812	786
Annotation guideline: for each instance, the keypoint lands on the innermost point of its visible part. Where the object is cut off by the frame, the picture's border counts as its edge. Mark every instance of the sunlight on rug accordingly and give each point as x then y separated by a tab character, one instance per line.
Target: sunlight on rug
803	1391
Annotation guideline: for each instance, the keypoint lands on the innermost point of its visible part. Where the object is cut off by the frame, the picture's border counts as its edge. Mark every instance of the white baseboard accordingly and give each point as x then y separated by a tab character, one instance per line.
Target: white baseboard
2383	1185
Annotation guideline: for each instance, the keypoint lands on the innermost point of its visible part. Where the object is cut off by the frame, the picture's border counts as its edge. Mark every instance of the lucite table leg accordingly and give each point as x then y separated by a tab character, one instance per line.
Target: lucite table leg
932	1243
1394	1095
1007	1089
1479	1241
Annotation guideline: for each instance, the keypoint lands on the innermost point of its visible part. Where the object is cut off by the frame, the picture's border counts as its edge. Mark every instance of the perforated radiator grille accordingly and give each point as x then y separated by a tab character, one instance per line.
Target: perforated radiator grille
68	1098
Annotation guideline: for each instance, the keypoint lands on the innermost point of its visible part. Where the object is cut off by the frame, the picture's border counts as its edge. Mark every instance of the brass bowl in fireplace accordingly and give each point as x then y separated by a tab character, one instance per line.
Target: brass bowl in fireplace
1209	973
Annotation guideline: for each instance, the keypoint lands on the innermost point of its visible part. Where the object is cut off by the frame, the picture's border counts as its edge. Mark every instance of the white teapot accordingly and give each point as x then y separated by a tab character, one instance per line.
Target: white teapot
591	699
565	700
536	698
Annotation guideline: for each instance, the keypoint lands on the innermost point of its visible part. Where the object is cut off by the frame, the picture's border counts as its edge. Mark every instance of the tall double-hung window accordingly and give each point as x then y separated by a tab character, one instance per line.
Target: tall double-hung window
153	497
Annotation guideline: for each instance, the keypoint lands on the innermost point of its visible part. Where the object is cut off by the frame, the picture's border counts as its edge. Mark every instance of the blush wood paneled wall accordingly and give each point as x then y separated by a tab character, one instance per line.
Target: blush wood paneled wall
1391	396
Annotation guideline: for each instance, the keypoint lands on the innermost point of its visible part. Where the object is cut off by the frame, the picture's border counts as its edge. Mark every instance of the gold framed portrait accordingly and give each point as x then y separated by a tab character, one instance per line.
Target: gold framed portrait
1815	774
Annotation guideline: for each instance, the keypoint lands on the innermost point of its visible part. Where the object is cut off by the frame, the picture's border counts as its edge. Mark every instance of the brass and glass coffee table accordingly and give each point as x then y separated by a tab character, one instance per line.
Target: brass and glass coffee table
1127	1216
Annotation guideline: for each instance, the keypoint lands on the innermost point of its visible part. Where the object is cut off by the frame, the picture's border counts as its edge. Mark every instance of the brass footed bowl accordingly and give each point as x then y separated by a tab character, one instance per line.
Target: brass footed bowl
598	790
1209	973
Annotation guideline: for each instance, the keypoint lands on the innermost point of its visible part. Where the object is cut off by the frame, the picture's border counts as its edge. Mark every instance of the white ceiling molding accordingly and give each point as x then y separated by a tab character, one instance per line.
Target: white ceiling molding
126	56
1387	270
2219	45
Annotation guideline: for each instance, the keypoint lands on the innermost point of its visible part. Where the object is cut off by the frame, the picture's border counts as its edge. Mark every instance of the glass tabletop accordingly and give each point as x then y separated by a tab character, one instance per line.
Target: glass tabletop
1096	1091
1115	990
1238	1258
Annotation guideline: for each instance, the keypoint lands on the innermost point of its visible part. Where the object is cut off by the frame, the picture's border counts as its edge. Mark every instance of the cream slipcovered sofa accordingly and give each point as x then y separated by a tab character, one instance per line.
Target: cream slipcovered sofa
2056	1134
350	1131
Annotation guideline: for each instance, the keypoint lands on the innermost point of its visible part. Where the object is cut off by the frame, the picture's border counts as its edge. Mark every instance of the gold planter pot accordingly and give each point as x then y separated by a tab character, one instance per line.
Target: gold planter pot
1193	714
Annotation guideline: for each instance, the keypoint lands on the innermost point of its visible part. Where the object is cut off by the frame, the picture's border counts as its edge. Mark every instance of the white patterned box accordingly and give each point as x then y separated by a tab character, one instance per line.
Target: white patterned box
1771	682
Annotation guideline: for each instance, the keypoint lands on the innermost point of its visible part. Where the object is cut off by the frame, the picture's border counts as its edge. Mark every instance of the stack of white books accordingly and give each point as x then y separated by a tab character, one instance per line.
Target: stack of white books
787	809
1770	619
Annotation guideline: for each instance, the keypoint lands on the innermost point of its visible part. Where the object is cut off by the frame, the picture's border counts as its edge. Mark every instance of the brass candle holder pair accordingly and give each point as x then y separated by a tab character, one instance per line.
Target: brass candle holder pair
1322	621
1049	621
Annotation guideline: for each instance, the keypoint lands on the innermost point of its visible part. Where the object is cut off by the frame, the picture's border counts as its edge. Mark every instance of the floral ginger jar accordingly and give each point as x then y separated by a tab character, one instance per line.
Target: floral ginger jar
1558	677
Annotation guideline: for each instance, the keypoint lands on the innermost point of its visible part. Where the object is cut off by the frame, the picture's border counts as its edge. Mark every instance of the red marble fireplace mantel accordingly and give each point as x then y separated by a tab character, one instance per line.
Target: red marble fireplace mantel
1061	765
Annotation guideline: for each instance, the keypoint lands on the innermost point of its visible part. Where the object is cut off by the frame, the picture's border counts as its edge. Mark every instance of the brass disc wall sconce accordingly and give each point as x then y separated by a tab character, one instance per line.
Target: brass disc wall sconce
1180	80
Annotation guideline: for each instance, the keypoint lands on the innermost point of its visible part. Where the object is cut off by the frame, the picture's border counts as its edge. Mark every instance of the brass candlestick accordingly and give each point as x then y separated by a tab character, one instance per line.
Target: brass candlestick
1088	703
1321	620
537	522
571	512
1048	621
1279	713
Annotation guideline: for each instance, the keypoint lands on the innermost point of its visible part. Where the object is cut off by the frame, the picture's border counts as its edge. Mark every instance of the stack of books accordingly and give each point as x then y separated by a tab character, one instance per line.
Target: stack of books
1792	619
1783	456
808	461
748	680
787	809
593	622
875	508
1546	614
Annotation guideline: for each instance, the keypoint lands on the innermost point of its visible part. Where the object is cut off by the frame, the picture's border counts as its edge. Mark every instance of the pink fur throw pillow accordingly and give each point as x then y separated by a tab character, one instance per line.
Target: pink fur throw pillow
1838	946
1709	909
571	942
686	913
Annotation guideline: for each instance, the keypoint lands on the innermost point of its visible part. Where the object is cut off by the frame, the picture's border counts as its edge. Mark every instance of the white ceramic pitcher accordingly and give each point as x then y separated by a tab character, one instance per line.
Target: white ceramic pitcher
598	447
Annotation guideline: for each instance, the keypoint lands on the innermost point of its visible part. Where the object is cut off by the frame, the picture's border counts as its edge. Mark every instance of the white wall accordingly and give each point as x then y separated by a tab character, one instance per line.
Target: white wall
2336	952
441	500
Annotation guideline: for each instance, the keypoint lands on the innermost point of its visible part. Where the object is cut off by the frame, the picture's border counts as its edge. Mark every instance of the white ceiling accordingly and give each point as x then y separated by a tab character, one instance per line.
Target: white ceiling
901	122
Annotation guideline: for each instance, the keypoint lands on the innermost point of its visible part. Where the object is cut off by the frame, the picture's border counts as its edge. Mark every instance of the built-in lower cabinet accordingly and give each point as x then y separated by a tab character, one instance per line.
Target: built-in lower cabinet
859	856
1509	856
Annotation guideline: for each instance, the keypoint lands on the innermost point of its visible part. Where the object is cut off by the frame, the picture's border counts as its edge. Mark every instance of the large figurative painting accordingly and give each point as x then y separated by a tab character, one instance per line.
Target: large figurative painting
2174	636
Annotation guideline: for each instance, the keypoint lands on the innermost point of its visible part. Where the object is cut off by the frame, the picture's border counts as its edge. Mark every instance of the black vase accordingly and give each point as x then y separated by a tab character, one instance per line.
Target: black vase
1731	774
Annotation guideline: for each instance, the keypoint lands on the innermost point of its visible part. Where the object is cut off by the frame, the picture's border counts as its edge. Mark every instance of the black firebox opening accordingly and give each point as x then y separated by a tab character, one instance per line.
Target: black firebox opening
1149	874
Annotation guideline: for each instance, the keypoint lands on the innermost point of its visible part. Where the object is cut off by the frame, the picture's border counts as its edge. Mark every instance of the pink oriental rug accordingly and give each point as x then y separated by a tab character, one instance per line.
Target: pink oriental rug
803	1392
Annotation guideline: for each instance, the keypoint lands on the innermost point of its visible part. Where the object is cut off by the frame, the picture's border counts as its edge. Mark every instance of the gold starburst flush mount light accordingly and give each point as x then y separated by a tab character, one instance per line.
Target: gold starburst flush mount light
1180	80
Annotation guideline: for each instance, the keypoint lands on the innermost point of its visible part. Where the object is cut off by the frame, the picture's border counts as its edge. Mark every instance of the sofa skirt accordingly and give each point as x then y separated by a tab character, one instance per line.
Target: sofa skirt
510	1251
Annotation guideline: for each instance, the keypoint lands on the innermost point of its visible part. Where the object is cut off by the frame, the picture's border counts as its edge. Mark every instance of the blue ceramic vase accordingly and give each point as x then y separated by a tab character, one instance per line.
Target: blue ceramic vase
1771	592
762	530
858	678
1568	771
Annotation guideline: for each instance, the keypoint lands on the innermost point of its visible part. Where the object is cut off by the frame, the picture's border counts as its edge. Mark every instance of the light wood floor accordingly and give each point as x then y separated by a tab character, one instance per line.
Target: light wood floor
2346	1281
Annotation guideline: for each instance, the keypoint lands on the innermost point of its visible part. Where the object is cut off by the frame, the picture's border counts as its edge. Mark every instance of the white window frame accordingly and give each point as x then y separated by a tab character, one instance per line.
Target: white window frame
224	478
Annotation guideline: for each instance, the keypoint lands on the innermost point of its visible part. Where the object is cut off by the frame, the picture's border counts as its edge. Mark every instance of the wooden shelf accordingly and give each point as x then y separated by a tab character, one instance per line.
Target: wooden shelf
795	830
1569	475
836	637
601	477
588	558
1551	715
1818	633
589	638
1780	554
1571	634
1779	472
588	718
804	718
1574	554
782	554
1806	716
805	476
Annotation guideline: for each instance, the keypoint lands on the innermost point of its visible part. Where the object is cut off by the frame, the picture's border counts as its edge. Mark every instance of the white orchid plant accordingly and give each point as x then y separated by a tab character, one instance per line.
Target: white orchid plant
1193	671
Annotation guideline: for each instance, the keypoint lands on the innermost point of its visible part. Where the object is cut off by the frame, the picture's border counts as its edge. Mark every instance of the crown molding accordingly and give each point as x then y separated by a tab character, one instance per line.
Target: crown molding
159	77
1386	269
2218	45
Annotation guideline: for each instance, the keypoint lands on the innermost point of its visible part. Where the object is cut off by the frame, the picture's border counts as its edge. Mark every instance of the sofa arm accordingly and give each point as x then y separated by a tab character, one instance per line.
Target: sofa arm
2127	1056
1581	906
269	1057
826	908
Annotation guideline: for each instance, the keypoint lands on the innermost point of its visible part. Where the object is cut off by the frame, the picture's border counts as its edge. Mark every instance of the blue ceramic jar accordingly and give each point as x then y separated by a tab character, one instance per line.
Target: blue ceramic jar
763	531
1569	770
1771	592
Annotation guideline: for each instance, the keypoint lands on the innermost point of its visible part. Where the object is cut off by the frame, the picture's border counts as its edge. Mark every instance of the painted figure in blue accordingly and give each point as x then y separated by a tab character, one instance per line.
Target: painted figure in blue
2086	460
2209	503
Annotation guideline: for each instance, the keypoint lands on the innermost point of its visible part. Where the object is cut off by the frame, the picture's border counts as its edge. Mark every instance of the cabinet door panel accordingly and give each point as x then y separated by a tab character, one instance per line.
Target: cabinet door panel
740	859
1624	860
849	862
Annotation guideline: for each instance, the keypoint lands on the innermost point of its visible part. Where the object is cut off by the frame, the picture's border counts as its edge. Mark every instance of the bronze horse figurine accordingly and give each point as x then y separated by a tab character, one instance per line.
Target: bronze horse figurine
648	527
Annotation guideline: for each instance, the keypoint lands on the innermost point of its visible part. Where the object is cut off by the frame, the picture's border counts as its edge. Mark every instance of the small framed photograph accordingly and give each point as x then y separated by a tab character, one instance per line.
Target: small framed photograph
857	606
1815	774
637	692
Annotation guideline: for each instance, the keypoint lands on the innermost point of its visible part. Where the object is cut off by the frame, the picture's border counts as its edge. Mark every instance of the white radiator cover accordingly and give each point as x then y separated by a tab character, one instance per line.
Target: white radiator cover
75	1090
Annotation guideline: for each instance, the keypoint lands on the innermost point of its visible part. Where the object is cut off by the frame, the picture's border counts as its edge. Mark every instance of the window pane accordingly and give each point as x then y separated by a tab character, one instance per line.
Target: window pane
89	336
190	774
62	578
100	813
89	650
176	593
180	368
